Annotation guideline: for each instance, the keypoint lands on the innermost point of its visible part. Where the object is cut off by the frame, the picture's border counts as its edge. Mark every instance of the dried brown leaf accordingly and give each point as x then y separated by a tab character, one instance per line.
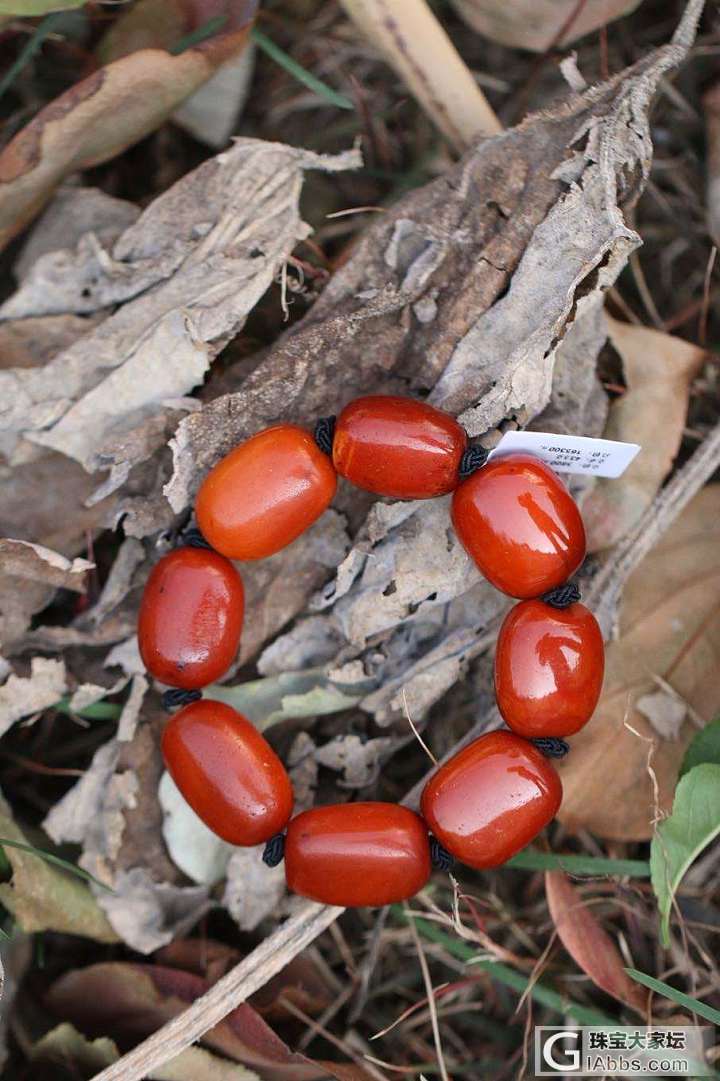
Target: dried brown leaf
71	214
589	944
43	897
211	112
669	627
659	369
101	116
129	1001
540	24
189	271
358	759
22	695
35	563
457	288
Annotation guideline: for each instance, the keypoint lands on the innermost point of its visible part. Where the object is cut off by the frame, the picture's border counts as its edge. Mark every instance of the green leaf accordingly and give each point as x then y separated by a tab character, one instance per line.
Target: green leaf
31	8
532	859
692	825
291	694
705	747
686	1001
298	72
546	996
42	896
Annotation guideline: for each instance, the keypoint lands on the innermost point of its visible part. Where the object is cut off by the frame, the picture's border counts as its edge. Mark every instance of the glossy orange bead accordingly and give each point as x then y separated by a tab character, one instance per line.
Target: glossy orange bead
490	800
398	447
227	772
265	493
354	854
520	525
549	668
190	618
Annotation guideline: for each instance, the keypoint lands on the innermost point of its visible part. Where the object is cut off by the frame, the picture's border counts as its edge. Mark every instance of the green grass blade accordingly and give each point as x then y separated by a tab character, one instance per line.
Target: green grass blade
546	996
293	68
57	860
200	34
98	711
31	47
532	859
686	1001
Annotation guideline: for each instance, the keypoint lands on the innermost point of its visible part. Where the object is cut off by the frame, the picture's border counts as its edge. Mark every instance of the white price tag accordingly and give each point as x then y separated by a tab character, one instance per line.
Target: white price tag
570	453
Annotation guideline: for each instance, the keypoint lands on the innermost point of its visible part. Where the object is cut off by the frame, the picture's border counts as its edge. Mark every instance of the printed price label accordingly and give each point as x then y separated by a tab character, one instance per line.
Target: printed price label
570	453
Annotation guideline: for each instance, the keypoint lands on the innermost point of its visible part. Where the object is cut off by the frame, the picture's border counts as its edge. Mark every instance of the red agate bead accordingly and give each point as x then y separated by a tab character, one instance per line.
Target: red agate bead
398	447
265	493
227	772
354	854
549	668
190	618
520	525
491	798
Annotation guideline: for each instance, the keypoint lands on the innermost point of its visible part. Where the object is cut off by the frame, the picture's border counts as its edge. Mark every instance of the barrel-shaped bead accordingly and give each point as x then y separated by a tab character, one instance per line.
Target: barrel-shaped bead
227	772
398	447
354	854
549	667
520	525
265	493
490	800
190	618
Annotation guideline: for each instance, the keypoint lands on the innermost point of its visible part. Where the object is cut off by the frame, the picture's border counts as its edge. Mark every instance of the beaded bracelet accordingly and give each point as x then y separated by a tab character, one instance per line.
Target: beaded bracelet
521	527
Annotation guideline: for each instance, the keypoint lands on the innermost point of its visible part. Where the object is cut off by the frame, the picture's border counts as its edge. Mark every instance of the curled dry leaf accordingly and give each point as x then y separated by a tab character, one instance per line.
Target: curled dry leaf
72	214
253	891
147	914
129	1001
63	1048
589	944
101	116
659	369
211	112
192	267
415	43
456	289
21	559
114	813
669	627
358	759
21	696
540	24
42	897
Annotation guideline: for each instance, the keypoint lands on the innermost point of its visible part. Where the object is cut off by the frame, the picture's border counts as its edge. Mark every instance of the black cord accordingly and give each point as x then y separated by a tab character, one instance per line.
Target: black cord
439	856
175	697
191	537
551	746
324	434
274	850
473	458
562	596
